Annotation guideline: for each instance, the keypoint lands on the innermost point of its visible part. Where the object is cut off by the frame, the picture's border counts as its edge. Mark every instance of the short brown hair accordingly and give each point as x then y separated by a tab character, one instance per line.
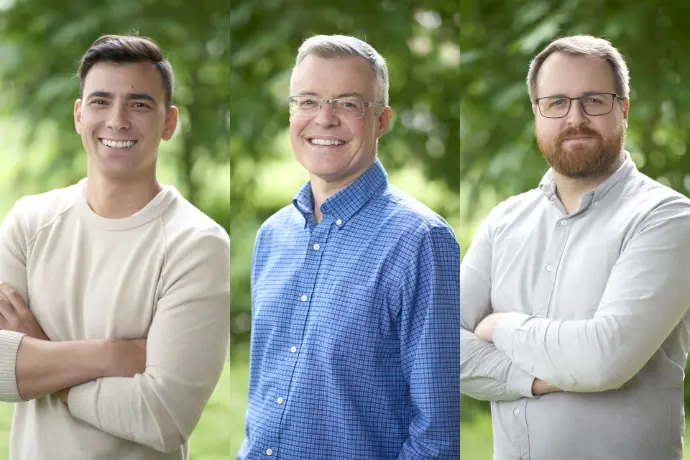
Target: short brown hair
127	49
583	45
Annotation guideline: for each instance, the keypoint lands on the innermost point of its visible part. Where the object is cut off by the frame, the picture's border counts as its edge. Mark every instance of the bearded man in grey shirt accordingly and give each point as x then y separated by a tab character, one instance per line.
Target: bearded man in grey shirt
575	295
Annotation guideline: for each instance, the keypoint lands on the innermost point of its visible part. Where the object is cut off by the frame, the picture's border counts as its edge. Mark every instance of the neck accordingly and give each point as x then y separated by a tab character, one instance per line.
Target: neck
117	200
570	190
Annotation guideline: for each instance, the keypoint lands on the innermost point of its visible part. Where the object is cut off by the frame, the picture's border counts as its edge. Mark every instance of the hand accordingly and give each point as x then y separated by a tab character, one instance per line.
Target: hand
485	328
15	315
540	387
125	358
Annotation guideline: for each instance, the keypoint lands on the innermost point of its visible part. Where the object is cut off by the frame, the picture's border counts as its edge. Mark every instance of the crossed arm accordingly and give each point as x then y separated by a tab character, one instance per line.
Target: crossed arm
646	297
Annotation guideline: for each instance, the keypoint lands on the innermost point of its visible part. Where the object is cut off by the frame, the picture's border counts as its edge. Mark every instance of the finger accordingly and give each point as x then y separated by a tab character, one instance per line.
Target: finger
9	315
14	297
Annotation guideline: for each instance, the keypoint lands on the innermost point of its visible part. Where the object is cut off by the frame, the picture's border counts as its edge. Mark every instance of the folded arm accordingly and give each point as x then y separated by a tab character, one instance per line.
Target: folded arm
30	365
486	373
646	297
186	350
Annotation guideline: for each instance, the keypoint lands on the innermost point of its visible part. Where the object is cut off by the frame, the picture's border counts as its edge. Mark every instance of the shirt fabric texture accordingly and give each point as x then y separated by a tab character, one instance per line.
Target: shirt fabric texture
599	301
160	274
355	338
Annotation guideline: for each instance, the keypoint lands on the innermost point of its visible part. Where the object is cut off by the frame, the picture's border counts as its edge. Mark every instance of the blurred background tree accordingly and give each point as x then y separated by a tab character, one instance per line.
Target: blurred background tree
499	156
418	39
41	42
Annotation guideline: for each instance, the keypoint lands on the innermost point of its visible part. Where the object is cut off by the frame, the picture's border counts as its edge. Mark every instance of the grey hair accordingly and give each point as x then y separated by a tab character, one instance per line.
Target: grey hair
583	45
341	46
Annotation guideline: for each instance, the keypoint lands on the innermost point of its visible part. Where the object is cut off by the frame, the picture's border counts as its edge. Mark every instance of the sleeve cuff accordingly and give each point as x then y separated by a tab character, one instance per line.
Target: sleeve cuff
519	382
83	402
9	346
505	331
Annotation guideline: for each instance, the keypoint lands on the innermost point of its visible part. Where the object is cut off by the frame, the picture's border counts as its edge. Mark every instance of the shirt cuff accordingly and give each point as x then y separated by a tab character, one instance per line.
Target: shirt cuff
9	346
519	382
83	402
504	332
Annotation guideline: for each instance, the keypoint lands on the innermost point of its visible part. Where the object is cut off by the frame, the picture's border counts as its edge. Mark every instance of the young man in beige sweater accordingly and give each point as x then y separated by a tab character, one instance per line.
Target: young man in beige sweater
115	296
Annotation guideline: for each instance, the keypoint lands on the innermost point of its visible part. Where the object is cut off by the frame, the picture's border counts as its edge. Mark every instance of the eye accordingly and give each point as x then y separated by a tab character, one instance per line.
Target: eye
308	102
556	102
98	102
594	100
140	105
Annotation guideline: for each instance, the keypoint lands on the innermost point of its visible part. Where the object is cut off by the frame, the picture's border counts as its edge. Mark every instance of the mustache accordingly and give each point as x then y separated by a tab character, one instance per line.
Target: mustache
581	132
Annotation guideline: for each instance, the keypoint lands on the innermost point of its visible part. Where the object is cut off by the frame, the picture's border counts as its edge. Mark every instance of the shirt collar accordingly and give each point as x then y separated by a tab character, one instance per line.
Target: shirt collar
548	184
345	203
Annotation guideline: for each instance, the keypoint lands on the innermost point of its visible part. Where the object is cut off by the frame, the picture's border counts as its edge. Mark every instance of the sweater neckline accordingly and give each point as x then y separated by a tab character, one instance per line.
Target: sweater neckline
152	210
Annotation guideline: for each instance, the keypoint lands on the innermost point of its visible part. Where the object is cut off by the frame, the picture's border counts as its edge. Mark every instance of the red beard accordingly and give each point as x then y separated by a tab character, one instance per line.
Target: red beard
587	159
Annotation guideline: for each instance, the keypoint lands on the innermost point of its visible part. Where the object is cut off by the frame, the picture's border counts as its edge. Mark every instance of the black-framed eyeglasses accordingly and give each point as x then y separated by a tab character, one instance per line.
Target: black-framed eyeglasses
347	107
594	104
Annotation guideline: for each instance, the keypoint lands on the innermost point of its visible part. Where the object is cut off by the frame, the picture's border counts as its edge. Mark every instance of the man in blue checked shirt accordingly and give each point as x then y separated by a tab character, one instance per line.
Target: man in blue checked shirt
355	350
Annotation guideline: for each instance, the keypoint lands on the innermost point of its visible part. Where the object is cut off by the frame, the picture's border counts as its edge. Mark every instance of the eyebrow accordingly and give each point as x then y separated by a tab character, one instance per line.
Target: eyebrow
586	93
339	96
129	97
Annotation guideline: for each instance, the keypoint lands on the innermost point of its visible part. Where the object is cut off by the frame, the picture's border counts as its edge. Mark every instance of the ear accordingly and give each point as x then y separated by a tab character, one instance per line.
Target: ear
626	109
534	109
384	120
171	118
77	116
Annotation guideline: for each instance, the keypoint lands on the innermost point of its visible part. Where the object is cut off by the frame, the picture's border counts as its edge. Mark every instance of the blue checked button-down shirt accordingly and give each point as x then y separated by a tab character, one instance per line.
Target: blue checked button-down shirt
355	349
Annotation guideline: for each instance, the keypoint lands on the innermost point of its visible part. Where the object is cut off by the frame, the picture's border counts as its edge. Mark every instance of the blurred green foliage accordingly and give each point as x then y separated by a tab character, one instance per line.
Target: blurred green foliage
418	39
499	156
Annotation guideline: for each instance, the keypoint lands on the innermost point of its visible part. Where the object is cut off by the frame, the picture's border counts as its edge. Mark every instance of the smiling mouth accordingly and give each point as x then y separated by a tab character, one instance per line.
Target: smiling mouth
117	144
325	142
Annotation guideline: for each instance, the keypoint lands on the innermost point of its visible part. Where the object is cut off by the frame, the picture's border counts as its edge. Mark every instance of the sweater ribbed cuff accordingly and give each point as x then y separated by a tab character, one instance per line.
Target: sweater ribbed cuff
83	402
9	345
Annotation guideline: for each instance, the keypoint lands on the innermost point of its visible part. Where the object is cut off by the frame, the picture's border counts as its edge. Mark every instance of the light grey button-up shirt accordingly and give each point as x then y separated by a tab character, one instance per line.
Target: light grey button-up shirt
601	302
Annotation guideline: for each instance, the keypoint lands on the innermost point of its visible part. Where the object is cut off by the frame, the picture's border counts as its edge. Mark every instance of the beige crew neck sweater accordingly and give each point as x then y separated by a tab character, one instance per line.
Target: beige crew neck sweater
161	274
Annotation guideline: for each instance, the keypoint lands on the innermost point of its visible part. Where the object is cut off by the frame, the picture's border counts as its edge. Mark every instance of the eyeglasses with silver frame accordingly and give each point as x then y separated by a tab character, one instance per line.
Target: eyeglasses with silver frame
347	107
594	104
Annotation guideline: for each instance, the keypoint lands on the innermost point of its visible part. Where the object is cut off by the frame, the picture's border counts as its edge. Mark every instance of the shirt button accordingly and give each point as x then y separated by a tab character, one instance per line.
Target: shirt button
316	246
516	411
338	222
269	451
549	268
303	298
293	349
564	222
280	400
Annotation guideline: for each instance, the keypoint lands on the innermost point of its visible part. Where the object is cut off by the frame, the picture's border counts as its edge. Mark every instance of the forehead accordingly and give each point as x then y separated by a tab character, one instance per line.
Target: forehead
113	77
332	77
563	74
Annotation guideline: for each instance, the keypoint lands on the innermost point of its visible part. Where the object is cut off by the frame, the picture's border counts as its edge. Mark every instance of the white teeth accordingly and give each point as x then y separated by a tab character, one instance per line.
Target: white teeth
326	142
118	144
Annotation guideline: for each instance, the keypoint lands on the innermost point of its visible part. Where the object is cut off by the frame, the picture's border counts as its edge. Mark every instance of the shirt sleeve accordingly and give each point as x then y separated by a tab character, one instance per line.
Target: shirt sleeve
186	349
430	347
486	373
646	296
13	257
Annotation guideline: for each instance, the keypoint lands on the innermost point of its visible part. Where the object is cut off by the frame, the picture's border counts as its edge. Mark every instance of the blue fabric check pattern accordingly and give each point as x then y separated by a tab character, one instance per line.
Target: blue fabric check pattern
355	349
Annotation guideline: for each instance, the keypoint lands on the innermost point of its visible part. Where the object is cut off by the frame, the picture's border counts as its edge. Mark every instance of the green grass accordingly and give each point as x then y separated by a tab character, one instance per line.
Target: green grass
219	432
476	439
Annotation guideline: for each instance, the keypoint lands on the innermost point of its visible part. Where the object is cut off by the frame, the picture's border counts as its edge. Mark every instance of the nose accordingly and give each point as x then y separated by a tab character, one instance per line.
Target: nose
117	118
326	116
576	116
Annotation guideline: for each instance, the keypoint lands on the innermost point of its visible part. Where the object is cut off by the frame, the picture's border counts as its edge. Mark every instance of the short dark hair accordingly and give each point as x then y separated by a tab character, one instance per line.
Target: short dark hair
127	49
